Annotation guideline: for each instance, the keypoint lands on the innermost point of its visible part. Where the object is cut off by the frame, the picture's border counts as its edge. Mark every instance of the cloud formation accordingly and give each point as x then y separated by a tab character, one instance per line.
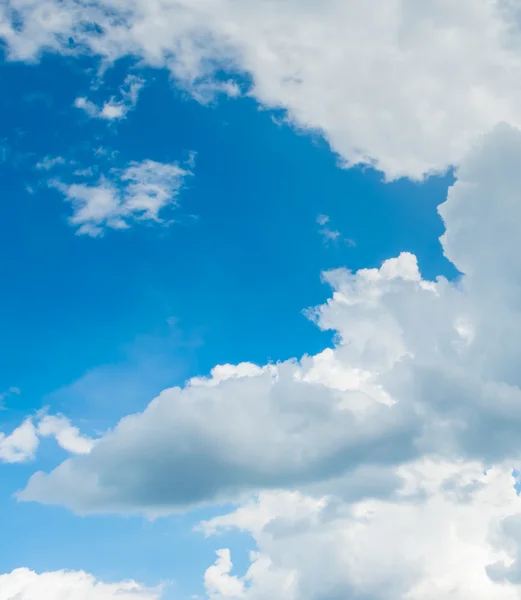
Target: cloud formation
24	584
114	108
405	86
330	235
451	533
419	368
22	443
217	579
67	435
405	434
138	193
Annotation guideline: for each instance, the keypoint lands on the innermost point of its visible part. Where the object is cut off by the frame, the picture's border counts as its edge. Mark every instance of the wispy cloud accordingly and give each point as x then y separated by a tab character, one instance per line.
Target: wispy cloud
330	235
116	107
139	192
12	391
49	162
22	443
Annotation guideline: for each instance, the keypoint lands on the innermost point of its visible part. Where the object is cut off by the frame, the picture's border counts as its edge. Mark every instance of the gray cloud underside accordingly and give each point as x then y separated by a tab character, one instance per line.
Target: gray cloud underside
419	369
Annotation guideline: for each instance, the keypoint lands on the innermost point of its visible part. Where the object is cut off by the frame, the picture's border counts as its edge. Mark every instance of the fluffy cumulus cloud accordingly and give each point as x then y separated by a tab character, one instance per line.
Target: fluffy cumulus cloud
451	532
23	584
401	84
138	193
218	581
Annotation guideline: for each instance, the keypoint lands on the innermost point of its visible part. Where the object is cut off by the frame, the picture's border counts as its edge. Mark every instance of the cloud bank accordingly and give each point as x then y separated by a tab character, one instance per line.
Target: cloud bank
401	85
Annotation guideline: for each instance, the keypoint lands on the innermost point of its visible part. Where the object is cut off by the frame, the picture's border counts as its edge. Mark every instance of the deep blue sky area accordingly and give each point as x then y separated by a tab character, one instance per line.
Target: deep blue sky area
235	270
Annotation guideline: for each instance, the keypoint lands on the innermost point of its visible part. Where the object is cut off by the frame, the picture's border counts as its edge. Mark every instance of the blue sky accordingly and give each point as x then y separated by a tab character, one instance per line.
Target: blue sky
245	235
97	327
276	180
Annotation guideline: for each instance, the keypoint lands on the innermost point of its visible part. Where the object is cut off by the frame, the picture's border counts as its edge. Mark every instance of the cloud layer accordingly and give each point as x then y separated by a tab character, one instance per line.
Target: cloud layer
398	84
451	533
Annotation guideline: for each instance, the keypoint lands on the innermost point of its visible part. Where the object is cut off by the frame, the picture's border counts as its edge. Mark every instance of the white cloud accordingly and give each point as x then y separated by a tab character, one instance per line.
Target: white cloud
22	443
218	581
400	84
24	584
401	439
139	192
67	436
331	235
419	368
206	91
440	538
115	108
87	105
